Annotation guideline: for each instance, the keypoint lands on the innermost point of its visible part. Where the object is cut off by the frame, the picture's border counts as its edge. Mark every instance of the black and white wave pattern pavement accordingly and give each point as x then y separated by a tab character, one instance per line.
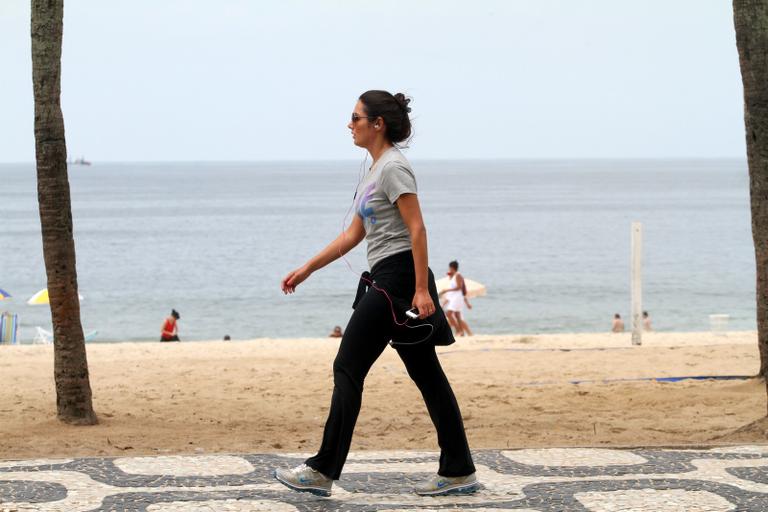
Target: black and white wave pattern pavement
543	480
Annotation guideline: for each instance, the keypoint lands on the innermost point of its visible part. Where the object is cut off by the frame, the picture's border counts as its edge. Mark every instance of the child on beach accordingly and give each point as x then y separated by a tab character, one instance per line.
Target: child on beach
388	216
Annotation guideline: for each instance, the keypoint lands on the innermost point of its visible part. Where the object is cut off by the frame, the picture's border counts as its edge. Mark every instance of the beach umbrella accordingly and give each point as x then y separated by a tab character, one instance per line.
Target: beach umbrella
4	294
41	297
474	289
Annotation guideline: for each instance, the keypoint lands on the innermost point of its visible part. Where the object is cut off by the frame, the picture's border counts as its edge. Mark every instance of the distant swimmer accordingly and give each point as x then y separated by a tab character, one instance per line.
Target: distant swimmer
618	323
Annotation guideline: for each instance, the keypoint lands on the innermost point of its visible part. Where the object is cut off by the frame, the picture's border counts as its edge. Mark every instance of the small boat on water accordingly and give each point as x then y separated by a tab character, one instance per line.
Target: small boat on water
80	161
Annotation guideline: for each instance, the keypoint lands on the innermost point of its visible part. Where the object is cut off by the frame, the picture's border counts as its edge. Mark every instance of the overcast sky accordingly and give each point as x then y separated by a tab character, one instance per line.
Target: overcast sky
255	80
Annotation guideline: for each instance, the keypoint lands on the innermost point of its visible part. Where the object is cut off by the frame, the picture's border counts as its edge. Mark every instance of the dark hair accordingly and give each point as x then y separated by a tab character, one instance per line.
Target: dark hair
175	314
454	265
617	315
392	109
645	313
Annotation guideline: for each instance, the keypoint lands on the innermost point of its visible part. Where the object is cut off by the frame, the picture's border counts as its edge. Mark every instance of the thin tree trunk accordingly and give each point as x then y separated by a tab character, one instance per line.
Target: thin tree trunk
751	22
73	389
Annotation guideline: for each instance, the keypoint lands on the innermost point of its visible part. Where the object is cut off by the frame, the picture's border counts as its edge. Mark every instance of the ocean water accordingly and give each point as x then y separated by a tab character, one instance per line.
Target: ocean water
549	239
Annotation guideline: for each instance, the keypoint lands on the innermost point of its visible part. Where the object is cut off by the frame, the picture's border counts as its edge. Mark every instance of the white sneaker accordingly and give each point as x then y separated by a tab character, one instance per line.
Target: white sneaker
305	479
442	485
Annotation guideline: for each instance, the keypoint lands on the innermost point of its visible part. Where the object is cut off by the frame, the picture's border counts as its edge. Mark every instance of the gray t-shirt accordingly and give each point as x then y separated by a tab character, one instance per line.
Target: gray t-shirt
385	182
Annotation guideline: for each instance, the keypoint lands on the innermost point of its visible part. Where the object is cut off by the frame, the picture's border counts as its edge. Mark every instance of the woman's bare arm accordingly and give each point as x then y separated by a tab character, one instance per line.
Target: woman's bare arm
343	243
410	211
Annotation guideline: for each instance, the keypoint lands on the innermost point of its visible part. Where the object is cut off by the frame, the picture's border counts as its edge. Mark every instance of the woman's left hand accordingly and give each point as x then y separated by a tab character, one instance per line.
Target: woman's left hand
423	302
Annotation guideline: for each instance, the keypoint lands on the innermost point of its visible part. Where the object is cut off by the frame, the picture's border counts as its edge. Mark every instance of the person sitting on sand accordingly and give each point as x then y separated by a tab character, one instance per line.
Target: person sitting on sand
646	322
336	332
170	329
618	323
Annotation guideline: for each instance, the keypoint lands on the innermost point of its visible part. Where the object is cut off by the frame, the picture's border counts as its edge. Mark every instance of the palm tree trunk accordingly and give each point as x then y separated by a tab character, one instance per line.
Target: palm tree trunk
751	22
73	388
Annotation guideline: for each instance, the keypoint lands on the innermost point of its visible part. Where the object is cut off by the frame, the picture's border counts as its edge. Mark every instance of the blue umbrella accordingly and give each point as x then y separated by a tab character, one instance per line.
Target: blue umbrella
4	294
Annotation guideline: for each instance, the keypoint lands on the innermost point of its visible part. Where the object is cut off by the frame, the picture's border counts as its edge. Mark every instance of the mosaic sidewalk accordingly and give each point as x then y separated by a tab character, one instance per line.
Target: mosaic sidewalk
543	480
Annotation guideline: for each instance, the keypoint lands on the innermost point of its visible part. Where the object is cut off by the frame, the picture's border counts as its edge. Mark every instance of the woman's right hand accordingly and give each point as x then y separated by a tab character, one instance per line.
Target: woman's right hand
294	278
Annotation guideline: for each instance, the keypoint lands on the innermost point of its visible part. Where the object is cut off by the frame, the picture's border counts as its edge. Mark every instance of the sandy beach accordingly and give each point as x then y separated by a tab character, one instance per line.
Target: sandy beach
272	395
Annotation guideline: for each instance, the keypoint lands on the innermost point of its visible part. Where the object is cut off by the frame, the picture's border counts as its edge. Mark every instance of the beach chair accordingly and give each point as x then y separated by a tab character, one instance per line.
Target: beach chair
9	327
43	337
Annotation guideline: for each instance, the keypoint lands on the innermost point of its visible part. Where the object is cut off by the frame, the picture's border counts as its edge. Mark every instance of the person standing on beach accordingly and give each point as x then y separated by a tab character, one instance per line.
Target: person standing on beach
456	299
388	216
170	329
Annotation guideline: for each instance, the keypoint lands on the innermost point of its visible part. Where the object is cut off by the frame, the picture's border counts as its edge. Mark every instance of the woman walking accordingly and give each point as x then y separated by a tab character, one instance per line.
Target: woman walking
388	216
456	299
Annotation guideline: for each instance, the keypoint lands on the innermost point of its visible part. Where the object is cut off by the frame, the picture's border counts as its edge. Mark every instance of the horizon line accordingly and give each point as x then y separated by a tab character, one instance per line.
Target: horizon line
433	159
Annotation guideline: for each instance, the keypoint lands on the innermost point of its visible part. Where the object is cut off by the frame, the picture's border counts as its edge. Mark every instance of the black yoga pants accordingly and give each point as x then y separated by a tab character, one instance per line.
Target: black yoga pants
365	338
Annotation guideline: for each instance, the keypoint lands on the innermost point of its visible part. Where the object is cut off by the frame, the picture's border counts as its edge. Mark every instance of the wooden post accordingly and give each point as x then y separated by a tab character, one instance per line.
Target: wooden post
637	283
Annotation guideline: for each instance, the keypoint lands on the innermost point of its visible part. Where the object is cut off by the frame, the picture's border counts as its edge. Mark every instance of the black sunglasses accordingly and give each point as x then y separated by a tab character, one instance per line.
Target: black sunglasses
356	117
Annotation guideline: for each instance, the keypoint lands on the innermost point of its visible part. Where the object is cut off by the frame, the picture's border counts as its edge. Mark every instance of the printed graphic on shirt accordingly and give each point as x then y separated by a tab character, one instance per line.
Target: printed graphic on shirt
363	210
